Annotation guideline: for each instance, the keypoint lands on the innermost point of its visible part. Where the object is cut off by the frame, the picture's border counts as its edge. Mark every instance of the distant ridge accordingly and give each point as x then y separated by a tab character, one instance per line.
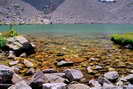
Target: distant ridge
66	11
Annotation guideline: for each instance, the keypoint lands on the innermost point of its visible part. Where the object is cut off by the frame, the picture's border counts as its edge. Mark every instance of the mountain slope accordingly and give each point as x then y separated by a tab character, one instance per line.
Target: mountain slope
67	11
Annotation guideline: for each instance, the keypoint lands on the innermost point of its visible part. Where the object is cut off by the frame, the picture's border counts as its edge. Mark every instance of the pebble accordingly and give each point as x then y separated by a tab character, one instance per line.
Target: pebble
28	63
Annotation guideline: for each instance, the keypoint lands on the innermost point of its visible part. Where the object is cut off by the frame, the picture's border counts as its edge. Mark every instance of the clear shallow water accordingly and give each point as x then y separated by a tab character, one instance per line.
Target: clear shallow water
71	28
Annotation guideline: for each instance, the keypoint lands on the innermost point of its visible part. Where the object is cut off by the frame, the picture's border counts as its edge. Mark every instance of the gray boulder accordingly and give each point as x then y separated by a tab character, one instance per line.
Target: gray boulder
54	78
112	76
6	74
78	86
19	44
37	80
54	86
73	75
20	85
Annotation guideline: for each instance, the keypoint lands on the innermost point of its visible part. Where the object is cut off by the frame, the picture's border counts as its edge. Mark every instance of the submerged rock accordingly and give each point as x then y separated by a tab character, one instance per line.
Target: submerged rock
28	63
49	71
73	75
13	63
64	63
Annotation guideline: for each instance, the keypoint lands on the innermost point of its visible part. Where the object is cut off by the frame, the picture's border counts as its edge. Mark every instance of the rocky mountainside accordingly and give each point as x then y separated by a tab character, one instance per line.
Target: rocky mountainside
65	11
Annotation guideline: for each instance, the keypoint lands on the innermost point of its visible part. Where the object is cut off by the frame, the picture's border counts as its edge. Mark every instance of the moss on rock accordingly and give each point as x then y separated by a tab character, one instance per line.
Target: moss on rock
123	39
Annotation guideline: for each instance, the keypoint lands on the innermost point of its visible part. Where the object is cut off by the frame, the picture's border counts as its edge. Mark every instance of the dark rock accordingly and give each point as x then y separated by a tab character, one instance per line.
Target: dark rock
31	71
49	71
73	75
5	86
5	74
129	46
129	78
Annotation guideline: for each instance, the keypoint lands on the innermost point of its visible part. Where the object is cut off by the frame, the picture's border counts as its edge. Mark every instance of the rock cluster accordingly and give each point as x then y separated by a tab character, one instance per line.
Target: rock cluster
69	79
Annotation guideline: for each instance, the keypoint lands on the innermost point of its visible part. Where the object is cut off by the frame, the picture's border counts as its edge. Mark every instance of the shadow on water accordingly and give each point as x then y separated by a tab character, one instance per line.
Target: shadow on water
47	6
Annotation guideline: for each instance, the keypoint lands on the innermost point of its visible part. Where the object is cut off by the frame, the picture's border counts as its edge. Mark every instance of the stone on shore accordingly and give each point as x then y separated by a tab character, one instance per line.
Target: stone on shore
54	78
54	86
37	80
20	85
112	76
73	74
78	86
6	74
19	44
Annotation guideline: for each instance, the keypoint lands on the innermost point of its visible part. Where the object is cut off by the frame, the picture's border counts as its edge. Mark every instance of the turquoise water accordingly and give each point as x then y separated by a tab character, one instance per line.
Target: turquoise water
71	28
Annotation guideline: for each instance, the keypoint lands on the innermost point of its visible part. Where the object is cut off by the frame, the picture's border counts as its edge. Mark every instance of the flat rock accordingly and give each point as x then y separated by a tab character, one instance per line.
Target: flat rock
49	71
64	63
20	85
28	63
54	78
73	74
78	86
54	86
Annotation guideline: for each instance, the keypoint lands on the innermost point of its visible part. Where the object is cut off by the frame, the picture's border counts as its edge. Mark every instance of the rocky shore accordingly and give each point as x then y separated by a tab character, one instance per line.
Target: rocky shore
64	62
65	12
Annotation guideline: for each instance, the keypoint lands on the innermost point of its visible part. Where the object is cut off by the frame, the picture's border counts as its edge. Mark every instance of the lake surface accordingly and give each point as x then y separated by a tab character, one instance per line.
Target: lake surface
71	28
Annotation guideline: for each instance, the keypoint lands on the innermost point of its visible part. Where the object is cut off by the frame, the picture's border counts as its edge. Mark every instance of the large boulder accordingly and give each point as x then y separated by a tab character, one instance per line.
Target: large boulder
20	85
19	44
37	80
6	74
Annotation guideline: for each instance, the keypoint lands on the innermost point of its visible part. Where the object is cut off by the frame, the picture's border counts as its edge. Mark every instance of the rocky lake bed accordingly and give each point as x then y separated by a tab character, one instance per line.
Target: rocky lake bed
65	62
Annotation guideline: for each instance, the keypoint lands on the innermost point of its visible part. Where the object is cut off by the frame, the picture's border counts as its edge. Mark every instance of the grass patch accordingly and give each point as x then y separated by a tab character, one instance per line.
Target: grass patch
123	39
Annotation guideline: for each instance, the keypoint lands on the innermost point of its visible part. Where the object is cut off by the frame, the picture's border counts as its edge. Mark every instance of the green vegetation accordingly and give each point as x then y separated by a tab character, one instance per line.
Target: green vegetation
5	35
123	39
11	33
2	41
